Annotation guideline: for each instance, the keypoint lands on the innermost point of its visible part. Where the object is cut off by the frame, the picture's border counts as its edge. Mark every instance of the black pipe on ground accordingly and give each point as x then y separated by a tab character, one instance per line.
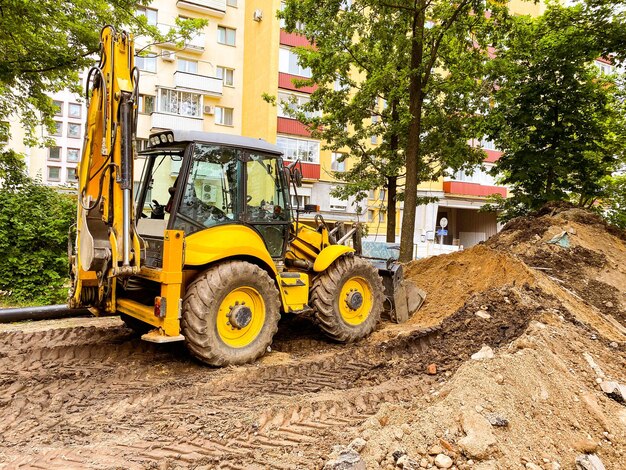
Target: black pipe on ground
47	312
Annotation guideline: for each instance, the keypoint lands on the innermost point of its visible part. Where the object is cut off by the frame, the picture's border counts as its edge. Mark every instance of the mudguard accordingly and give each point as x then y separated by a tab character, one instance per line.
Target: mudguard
330	254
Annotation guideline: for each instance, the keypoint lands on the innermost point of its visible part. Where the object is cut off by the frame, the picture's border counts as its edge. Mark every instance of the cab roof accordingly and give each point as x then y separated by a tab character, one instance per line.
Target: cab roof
222	139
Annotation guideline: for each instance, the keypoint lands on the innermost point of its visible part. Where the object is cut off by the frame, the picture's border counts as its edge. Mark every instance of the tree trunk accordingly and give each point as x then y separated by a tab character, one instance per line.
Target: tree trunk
392	190
412	153
392	181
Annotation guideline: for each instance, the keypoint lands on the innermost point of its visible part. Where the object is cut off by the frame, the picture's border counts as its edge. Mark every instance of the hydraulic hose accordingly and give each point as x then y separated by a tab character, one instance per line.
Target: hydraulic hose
47	312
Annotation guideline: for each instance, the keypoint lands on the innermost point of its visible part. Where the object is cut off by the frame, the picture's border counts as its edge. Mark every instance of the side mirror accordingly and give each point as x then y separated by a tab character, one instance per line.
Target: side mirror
294	174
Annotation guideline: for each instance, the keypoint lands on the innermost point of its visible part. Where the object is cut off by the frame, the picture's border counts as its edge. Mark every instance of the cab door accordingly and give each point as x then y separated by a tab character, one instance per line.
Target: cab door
265	200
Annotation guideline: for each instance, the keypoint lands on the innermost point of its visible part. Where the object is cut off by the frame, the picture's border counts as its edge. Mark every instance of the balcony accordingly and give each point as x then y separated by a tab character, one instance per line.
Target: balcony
293	39
175	121
472	189
195	44
285	80
310	171
195	82
208	7
292	126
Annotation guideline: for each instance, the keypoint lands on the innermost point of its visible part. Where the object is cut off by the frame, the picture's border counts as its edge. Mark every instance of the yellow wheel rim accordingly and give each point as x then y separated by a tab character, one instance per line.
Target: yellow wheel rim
355	301
241	317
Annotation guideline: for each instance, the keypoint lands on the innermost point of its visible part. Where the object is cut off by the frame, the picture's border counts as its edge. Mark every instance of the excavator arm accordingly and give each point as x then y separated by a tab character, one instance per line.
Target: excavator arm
107	245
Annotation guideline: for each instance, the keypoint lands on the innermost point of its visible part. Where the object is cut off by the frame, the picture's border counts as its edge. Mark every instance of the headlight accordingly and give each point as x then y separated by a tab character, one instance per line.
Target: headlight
163	138
170	138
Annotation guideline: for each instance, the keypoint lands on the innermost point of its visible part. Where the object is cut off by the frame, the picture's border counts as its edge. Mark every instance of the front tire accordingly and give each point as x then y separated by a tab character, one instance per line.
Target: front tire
348	299
230	314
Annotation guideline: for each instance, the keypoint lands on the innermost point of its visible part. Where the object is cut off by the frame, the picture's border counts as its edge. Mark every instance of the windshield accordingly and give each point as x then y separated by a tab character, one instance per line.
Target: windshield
159	172
210	192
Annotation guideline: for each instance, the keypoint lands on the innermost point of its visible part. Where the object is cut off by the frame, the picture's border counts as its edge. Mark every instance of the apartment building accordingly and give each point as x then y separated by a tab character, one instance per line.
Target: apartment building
459	196
216	82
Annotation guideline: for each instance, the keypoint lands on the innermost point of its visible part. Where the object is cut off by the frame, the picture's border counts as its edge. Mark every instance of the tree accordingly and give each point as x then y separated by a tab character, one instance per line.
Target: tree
613	204
34	225
423	60
45	44
558	120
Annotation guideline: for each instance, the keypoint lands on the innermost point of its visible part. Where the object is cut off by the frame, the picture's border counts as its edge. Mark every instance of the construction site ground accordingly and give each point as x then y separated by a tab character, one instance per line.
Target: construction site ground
87	393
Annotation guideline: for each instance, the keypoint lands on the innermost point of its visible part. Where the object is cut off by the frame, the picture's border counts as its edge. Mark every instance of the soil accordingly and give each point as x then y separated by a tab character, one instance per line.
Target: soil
87	393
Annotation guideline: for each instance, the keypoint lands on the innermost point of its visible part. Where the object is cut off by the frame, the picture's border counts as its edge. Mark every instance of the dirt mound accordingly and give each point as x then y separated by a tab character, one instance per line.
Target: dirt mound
536	402
450	280
544	302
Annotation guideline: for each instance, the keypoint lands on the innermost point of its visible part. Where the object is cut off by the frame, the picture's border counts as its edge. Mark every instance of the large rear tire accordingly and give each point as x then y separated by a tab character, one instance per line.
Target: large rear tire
348	299
230	314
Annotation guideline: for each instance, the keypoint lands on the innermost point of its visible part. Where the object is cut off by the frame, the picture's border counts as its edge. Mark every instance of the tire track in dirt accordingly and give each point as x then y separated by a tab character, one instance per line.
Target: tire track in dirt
154	406
59	382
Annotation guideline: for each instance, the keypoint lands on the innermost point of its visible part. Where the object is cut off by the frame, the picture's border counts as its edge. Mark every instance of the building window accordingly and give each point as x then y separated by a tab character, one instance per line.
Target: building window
231	3
150	14
58	105
290	103
381	195
300	201
223	116
54	173
71	175
74	110
186	65
226	75
146	104
179	102
147	64
54	153
605	69
307	151
370	215
382	215
73	130
487	144
374	138
338	161
73	155
226	36
58	129
371	196
288	62
142	144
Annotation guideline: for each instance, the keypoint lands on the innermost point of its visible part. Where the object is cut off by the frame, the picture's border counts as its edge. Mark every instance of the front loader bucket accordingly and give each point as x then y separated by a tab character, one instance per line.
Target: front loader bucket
403	297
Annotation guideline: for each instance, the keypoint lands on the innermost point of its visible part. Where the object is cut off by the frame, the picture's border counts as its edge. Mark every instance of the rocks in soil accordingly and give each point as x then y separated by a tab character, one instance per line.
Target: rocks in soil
479	440
357	444
589	462
407	463
443	461
431	369
614	390
482	314
496	420
348	459
485	353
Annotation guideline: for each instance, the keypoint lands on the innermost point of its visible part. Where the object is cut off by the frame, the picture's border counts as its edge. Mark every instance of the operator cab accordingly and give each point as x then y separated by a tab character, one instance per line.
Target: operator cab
193	181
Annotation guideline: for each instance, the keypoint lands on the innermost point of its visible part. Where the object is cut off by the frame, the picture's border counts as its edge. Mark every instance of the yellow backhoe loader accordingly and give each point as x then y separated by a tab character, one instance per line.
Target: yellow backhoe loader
207	249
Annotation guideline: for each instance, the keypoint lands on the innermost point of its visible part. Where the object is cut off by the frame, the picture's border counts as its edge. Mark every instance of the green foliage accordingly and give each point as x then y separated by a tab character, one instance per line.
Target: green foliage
44	44
34	224
560	123
613	204
416	69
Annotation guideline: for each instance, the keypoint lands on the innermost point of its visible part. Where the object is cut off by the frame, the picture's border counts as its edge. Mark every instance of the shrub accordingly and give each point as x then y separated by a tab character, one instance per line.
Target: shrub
34	224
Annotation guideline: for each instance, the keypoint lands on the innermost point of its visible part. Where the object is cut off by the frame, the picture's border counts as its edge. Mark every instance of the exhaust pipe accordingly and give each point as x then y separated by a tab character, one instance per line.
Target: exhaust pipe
8	315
